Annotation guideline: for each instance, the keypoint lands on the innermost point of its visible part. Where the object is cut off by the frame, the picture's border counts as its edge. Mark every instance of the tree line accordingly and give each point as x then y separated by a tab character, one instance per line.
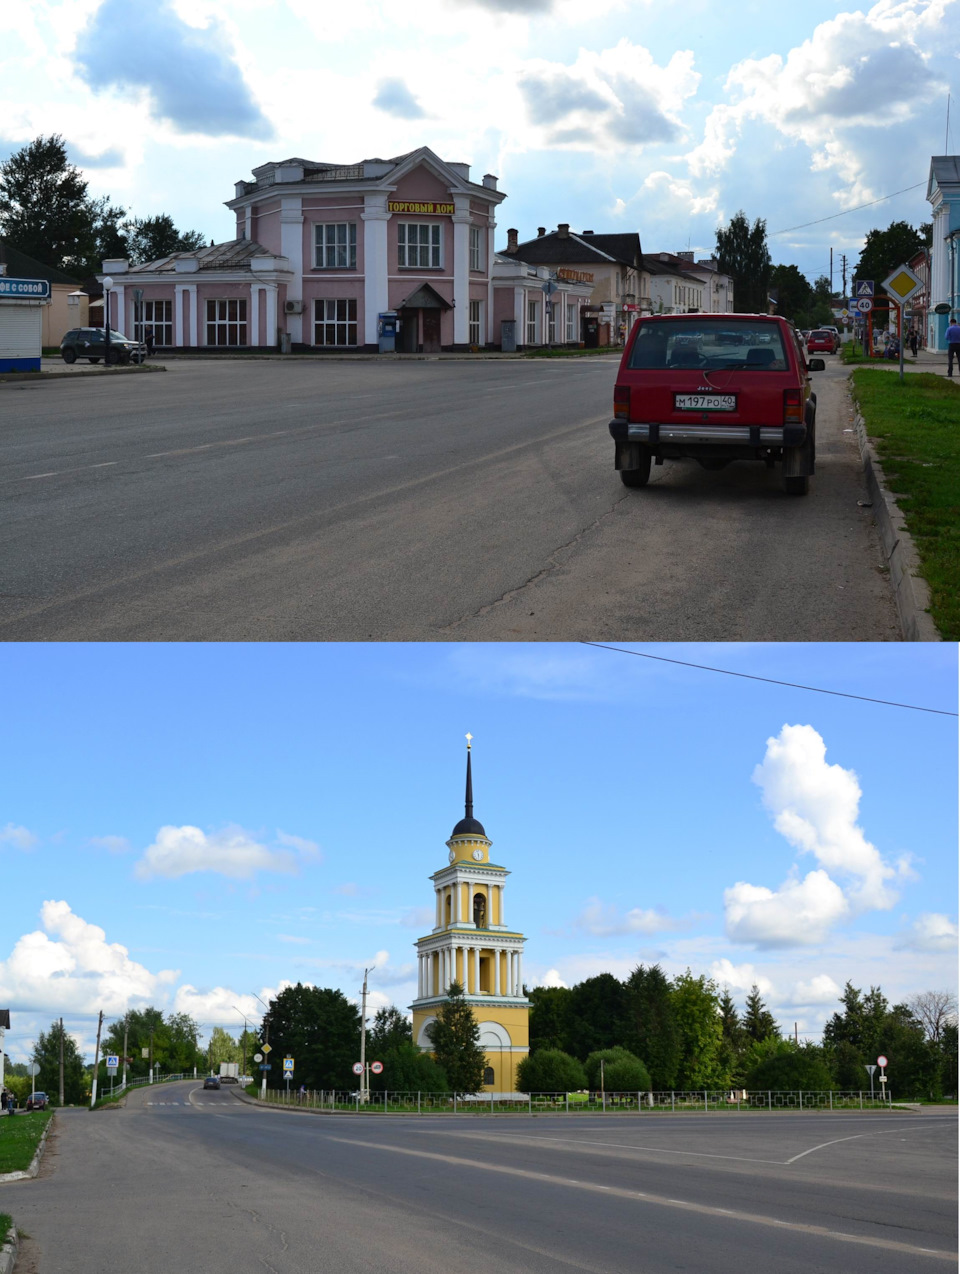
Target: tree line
743	253
47	213
688	1034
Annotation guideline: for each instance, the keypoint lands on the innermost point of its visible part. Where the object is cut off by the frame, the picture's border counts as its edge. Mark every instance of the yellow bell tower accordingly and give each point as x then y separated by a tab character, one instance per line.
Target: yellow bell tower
472	944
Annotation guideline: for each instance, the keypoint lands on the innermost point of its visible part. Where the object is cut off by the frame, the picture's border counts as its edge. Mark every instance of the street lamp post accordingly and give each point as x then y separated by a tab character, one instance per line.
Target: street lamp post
107	285
244	1016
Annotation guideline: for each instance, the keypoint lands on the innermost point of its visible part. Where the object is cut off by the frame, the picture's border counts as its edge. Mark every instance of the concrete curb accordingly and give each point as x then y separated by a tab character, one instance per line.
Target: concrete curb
34	1162
909	587
23	378
8	1253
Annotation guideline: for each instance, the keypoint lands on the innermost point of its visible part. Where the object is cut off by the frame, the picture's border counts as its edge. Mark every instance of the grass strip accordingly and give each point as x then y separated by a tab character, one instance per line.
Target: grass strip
19	1138
547	352
6	1222
915	427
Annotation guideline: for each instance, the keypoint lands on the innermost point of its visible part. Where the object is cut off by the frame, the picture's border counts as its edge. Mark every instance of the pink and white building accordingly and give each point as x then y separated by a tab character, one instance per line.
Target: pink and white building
321	251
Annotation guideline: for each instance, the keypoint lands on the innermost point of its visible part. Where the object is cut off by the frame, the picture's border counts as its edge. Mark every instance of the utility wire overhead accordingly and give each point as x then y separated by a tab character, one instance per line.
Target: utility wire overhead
833	216
772	681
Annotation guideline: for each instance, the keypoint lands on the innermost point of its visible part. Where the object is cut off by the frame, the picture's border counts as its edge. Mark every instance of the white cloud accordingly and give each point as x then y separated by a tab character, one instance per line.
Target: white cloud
289	937
114	844
681	193
69	967
799	913
815	806
608	100
18	837
931	931
418	917
551	978
739	977
178	851
306	848
604	919
821	989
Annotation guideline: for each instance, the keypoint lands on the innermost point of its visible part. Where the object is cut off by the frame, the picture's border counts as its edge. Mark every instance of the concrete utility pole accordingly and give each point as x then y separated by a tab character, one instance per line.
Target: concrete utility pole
126	1027
364	1078
61	1063
96	1062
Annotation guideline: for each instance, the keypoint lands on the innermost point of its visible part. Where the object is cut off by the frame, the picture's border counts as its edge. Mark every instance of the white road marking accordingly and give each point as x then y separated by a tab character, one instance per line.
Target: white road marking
31	476
882	1132
890	1245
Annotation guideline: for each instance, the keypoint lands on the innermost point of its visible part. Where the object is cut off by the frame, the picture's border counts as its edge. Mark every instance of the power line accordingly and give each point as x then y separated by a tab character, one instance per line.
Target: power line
834	215
772	681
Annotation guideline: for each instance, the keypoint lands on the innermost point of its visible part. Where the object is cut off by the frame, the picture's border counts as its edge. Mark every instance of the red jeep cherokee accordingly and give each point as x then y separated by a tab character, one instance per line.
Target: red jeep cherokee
715	388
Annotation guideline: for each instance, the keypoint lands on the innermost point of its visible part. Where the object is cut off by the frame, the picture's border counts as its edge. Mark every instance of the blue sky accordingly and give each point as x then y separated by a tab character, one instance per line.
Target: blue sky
661	116
189	825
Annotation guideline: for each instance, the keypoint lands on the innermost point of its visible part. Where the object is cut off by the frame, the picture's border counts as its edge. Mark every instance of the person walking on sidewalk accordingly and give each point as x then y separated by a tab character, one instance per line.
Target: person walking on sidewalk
953	345
913	340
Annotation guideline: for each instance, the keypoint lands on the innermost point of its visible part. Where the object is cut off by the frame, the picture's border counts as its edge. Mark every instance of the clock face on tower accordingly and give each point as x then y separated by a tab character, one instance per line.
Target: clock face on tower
478	855
453	854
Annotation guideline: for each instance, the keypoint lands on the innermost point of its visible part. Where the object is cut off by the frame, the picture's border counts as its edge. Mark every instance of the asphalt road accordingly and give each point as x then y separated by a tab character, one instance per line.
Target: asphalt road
424	501
183	1179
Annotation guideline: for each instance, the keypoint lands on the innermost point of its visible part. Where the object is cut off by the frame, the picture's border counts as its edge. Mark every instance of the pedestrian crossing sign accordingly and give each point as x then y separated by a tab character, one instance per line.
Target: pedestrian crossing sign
863	287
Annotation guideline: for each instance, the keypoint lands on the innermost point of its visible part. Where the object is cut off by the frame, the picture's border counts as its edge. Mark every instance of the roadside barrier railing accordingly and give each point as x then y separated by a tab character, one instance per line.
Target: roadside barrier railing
637	1103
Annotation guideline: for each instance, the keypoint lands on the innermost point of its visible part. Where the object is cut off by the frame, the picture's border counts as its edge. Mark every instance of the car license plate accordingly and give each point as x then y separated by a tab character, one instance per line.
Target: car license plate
705	402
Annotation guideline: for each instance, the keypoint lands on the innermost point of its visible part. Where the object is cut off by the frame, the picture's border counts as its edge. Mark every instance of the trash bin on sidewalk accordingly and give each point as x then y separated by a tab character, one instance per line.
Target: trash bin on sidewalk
286	343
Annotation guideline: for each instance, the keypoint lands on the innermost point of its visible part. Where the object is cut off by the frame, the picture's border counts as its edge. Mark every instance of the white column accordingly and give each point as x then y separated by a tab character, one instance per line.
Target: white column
191	289
500	901
429	973
520	313
488	264
476	969
439	908
178	290
457	900
496	972
119	322
291	246
255	290
519	990
461	269
512	958
270	336
375	263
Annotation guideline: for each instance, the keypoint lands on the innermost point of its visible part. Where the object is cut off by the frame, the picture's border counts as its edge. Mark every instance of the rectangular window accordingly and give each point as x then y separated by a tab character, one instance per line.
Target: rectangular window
335	244
227	322
476	323
157	315
572	333
552	323
418	244
335	322
531	322
476	255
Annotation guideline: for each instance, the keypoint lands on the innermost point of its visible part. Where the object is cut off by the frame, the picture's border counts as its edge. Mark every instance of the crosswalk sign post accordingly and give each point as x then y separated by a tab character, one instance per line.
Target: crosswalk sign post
288	1072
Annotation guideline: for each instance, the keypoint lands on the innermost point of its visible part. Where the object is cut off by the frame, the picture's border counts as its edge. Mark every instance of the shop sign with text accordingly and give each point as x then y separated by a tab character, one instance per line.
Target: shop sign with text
432	209
574	276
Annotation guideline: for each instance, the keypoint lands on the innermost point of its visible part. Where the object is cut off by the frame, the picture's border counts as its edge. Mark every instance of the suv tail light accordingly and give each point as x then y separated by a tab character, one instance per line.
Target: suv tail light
792	407
621	402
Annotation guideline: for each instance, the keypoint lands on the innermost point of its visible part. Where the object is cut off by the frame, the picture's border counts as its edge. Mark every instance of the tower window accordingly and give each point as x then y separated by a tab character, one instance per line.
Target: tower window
449	909
480	911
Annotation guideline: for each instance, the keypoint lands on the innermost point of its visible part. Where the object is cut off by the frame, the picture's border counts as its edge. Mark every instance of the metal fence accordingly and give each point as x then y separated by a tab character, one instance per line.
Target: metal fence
577	1103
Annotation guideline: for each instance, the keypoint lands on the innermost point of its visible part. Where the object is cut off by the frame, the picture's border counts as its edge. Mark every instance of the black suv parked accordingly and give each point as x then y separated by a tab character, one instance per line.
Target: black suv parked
91	343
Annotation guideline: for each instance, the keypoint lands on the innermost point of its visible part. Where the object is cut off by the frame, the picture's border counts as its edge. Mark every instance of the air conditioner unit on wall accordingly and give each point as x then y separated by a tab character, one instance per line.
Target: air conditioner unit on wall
293	307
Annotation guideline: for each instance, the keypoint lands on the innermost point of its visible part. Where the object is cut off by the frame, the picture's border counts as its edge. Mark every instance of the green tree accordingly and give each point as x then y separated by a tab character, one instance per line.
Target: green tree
549	1018
150	238
742	253
623	1072
696	1005
791	1069
550	1070
596	1014
407	1069
388	1030
144	1027
46	1054
320	1029
455	1036
758	1021
884	250
221	1047
947	1049
45	210
794	293
649	1024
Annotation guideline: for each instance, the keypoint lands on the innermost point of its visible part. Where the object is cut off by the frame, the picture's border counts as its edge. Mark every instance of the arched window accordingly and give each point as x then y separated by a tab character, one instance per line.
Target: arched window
449	908
488	1076
480	910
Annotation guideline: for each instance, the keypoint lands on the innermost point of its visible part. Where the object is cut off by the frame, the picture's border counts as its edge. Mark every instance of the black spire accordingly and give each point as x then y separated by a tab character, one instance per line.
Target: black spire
468	824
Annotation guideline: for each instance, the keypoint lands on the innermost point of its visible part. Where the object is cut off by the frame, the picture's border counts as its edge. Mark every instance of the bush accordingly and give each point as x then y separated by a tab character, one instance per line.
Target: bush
623	1072
796	1070
550	1070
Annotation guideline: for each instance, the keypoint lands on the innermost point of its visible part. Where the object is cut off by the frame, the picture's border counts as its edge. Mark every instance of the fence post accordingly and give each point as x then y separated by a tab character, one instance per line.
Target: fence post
801	1099
418	1101
454	1103
384	1101
705	1107
673	1103
638	1103
357	1100
769	1100
491	1101
568	1103
861	1099
529	1103
831	1099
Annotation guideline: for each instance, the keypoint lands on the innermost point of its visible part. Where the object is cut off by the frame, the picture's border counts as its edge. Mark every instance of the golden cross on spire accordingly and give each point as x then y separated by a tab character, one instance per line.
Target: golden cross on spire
468	738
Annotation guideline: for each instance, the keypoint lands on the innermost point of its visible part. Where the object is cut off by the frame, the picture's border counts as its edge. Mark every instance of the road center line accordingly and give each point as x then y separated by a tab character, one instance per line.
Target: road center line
889	1245
616	1145
881	1132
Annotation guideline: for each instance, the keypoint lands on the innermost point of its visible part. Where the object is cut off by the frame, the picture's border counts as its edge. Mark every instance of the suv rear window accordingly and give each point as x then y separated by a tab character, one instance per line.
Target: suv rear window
708	346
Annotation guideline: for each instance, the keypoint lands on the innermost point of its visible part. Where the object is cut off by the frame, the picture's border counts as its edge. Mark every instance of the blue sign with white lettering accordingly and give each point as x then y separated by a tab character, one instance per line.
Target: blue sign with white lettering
30	289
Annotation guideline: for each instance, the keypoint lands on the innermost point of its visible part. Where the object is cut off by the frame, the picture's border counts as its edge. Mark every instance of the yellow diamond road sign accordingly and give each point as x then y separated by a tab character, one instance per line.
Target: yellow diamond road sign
266	1048
902	284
